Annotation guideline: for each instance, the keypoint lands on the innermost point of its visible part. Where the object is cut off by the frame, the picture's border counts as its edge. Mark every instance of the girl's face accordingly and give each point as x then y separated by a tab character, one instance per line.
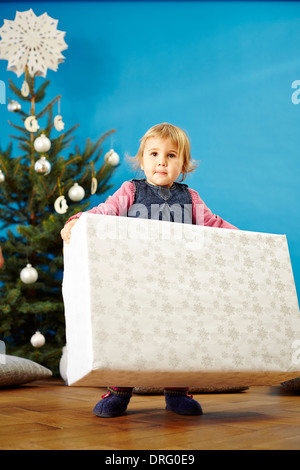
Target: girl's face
161	162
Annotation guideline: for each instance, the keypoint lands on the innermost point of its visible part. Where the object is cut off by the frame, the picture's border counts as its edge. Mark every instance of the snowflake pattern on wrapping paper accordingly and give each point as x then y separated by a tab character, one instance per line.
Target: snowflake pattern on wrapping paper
209	300
33	41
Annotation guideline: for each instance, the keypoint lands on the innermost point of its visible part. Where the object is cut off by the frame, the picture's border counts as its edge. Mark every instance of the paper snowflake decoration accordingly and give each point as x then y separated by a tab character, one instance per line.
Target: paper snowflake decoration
33	41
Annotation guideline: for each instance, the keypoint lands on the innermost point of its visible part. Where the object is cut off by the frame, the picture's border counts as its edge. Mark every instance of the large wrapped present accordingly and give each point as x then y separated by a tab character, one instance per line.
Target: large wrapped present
153	303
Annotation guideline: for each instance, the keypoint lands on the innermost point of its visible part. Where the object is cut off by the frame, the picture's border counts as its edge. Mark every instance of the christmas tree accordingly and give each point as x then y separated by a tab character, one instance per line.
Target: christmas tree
39	190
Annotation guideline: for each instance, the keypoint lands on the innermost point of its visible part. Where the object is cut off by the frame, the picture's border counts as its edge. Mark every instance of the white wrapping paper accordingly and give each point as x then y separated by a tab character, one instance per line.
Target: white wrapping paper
151	303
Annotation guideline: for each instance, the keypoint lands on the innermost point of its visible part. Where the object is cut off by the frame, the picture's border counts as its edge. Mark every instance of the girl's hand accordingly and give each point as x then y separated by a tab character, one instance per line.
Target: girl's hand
66	231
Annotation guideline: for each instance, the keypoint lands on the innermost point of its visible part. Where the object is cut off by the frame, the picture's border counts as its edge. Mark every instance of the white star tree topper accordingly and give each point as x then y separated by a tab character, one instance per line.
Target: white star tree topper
33	41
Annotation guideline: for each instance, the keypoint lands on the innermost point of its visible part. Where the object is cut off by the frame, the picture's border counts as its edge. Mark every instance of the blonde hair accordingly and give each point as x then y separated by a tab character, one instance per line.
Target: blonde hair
178	137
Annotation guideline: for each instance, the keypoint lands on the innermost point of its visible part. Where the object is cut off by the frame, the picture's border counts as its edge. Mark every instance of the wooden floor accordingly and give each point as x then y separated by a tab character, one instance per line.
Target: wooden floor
49	415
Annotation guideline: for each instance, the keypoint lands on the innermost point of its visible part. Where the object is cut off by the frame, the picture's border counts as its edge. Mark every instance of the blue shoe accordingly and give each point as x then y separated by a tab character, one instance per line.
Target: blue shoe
182	404
111	405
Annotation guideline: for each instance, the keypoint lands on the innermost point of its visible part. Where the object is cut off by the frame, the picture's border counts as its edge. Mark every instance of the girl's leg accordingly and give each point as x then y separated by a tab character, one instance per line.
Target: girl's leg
178	401
114	402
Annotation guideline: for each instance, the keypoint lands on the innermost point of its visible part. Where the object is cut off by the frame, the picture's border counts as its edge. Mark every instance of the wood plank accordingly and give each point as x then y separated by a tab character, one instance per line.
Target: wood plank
49	415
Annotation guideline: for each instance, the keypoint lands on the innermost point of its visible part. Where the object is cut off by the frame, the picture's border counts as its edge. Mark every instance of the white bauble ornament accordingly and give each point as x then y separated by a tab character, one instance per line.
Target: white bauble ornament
108	154
60	205
58	123
37	340
42	144
31	124
13	106
29	275
76	193
42	166
112	157
2	176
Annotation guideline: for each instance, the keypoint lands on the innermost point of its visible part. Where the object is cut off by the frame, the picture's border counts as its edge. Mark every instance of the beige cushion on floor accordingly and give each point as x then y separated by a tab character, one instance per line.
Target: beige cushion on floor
292	385
17	370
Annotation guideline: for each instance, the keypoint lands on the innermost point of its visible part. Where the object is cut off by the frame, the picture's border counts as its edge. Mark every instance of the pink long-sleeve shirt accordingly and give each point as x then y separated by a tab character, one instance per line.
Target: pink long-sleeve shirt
121	201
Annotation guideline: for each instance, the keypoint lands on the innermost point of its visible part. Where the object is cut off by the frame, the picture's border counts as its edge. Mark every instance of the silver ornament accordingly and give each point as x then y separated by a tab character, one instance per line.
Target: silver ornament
42	166
29	275
42	144
76	193
2	176
13	106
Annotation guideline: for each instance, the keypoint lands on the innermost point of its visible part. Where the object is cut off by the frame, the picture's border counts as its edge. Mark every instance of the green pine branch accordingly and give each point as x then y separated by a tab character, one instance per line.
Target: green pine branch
27	203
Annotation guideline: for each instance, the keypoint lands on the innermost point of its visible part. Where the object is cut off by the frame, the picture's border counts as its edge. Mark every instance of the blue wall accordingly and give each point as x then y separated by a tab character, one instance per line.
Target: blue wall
222	71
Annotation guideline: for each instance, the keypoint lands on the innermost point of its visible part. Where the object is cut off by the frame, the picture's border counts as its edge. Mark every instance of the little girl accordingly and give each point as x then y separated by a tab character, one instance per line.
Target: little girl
164	155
